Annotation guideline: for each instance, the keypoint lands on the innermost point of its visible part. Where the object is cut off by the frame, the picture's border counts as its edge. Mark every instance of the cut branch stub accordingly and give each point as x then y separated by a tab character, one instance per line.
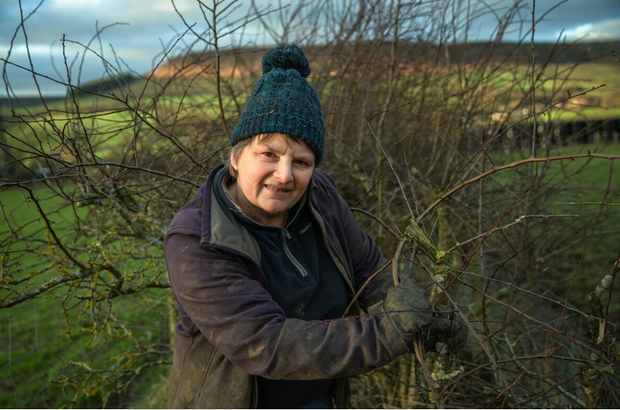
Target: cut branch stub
416	234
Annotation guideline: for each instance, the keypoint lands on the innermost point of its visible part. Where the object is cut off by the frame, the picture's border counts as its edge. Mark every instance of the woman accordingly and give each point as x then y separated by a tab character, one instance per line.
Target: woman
265	260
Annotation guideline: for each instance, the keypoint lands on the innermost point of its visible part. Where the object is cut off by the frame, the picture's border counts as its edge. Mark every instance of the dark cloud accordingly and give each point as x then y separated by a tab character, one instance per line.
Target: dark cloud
591	20
136	31
596	20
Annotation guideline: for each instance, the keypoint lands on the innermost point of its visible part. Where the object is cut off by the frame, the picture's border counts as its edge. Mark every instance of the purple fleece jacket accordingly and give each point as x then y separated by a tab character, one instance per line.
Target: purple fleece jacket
230	329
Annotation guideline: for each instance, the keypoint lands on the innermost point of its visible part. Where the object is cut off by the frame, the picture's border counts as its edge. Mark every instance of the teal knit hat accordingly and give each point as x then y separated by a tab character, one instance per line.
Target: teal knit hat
283	101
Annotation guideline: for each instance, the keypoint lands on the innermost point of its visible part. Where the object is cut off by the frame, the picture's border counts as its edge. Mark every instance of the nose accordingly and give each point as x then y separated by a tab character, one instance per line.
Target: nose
284	172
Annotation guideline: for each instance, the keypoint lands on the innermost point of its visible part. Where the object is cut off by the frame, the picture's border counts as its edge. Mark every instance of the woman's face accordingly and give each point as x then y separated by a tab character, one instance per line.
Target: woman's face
271	177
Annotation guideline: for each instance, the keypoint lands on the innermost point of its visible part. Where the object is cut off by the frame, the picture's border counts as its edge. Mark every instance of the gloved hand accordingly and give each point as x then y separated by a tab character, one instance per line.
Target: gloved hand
452	331
408	307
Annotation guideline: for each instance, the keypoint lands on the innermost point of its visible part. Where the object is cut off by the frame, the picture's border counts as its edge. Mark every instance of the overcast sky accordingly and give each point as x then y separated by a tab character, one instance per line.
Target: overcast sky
140	29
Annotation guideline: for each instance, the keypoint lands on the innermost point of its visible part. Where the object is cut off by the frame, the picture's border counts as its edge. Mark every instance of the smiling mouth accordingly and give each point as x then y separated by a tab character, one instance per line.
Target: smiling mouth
276	189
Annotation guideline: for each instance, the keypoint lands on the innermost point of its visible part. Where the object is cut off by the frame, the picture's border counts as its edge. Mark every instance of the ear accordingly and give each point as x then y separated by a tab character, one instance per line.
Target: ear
233	162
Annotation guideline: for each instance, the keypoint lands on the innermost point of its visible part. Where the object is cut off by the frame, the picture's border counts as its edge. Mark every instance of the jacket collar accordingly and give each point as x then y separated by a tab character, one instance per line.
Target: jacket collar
219	227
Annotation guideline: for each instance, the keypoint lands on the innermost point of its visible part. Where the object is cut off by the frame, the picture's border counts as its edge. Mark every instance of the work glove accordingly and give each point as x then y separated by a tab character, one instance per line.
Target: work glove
408	307
451	331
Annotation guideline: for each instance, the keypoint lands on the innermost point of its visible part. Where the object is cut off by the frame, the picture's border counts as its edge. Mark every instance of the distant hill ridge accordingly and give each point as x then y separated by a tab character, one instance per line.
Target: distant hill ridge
243	61
234	61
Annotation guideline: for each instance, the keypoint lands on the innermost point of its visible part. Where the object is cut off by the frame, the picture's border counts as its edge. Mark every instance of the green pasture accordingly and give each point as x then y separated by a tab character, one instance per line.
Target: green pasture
103	129
502	89
591	189
581	197
559	81
572	185
35	346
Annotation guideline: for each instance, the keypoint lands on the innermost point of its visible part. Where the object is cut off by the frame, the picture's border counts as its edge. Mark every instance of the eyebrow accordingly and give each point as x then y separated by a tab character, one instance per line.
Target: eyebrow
271	147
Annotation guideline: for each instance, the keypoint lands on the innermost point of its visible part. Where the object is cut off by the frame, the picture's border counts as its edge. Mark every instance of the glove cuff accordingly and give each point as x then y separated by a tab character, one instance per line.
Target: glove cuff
398	345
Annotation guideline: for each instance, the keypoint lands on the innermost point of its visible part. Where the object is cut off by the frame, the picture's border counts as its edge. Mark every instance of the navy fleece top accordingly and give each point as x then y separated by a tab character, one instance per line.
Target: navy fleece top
302	278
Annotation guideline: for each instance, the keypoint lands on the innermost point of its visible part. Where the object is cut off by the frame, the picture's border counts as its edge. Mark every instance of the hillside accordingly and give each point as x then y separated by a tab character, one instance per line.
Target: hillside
234	62
247	61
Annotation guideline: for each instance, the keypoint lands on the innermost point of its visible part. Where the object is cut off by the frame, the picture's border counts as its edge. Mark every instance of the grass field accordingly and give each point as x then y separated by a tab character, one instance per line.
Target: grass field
36	349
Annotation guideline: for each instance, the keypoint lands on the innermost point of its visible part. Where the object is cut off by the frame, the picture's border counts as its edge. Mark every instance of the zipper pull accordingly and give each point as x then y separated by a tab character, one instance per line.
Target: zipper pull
288	235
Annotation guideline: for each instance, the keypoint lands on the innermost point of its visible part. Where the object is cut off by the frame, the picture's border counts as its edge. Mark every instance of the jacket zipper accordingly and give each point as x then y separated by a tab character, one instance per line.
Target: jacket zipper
300	268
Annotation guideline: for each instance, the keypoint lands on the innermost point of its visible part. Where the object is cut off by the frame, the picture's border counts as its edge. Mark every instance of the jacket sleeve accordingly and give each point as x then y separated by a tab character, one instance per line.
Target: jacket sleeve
215	290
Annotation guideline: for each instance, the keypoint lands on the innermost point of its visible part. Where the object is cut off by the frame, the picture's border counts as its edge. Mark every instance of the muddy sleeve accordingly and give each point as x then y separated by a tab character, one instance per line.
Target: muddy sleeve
215	290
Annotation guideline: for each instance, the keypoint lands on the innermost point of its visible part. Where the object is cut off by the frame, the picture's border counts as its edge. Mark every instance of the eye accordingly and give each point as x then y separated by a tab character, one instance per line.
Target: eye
268	154
302	162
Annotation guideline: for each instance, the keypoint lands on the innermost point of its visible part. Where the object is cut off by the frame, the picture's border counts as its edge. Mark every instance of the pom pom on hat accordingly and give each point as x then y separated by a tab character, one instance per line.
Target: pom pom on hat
287	58
283	101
